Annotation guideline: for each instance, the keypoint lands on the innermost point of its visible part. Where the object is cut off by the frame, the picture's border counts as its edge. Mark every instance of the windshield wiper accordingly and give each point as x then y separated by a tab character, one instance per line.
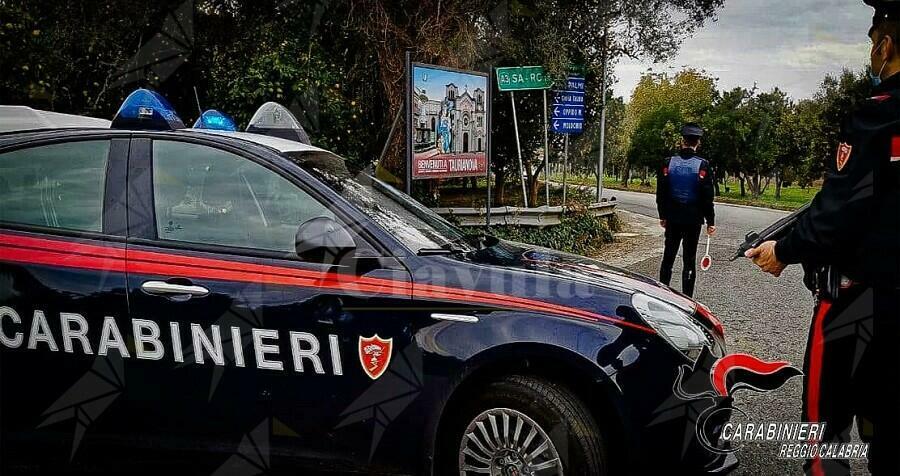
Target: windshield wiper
445	249
482	241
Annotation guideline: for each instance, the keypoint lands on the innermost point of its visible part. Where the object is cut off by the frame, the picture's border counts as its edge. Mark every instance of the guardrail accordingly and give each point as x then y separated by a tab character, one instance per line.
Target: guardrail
539	217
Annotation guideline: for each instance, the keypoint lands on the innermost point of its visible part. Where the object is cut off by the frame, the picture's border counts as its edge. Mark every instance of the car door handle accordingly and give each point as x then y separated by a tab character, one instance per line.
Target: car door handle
163	288
454	317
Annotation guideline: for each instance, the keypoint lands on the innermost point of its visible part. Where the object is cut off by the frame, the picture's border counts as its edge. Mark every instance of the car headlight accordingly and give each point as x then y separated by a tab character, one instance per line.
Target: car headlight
673	324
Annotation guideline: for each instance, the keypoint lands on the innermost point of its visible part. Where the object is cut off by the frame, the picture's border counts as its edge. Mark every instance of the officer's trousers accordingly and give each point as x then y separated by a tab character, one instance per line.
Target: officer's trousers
676	234
852	370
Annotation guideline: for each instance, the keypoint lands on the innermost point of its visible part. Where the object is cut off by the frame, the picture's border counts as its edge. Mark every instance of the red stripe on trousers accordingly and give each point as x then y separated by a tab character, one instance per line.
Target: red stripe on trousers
814	382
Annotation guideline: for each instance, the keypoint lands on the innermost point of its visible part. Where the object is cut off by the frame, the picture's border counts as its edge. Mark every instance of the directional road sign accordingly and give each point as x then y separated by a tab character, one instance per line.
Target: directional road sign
520	78
568	107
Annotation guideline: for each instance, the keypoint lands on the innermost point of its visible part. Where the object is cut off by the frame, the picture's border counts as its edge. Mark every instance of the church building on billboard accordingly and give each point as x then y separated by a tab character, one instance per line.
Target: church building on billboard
454	124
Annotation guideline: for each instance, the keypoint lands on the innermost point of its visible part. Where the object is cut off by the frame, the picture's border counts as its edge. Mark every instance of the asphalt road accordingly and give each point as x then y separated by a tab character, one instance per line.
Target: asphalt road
764	316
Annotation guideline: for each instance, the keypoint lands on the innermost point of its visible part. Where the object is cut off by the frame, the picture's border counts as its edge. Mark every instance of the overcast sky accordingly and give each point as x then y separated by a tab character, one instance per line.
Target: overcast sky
791	44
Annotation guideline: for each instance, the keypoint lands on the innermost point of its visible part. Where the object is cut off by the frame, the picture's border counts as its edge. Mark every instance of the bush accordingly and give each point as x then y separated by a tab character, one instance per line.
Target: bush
580	233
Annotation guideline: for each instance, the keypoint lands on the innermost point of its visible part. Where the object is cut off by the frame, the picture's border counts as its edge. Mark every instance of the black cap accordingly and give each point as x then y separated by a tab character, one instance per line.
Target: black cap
885	10
691	129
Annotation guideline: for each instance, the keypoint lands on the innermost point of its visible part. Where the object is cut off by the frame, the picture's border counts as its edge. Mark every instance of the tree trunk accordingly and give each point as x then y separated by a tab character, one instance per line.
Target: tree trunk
755	186
716	182
743	188
533	184
499	197
778	181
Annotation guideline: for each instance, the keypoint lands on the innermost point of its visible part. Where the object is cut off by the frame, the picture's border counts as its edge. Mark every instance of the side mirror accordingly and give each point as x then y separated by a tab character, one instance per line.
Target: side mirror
323	240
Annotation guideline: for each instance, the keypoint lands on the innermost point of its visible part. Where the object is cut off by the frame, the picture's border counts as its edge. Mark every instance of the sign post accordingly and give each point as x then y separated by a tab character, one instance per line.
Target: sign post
521	78
512	97
565	168
602	121
409	126
568	117
546	152
487	172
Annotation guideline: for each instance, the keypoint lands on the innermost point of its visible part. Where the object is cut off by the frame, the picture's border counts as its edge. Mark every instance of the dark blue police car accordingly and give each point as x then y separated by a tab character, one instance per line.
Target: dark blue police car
208	301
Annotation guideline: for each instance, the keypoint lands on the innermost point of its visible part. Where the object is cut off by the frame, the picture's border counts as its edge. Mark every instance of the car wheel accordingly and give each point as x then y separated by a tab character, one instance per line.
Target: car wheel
522	426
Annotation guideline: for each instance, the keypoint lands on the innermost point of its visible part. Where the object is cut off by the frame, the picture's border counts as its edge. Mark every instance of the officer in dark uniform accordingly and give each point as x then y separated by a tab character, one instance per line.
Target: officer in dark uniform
849	244
684	199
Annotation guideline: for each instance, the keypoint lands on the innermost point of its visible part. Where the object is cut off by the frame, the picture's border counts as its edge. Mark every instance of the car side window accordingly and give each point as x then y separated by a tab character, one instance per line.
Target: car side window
209	196
56	185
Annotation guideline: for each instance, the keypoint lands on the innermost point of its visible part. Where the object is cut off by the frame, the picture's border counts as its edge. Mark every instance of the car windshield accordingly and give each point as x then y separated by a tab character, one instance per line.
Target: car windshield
415	225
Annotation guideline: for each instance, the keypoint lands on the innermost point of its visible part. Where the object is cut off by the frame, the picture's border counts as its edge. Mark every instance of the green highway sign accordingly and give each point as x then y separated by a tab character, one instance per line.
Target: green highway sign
519	78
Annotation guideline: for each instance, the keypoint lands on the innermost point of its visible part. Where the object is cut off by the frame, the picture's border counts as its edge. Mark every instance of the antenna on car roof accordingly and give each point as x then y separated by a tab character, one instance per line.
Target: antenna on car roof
197	98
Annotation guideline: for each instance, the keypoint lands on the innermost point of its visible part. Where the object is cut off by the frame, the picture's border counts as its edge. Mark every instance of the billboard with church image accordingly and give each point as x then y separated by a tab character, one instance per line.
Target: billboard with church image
450	110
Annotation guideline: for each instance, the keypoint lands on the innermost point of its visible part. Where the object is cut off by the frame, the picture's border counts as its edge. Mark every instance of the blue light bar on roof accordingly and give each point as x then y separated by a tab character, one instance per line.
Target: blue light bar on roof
214	120
146	109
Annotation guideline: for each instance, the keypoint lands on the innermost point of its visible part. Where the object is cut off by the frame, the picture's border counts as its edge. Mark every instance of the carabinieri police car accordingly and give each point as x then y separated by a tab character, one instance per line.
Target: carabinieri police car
208	301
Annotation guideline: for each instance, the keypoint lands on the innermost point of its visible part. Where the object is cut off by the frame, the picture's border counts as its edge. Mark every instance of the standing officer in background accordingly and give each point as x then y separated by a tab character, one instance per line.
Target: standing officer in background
684	199
849	244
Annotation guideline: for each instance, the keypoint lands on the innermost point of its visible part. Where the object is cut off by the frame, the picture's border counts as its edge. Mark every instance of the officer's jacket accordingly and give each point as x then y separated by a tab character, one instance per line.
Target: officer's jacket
684	190
853	223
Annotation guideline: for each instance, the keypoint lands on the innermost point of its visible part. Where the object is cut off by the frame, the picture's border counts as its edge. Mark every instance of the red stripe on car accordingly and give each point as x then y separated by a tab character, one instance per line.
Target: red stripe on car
25	249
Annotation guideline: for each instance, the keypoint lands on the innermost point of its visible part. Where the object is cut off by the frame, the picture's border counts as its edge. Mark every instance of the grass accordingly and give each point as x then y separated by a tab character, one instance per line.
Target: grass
792	197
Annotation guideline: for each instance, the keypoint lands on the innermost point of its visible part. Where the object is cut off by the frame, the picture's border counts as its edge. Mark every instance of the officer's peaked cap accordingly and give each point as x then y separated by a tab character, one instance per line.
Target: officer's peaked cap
885	10
691	130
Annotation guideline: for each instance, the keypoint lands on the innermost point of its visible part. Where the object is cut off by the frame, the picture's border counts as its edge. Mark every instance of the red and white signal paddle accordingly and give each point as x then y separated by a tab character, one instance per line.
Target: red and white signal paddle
706	261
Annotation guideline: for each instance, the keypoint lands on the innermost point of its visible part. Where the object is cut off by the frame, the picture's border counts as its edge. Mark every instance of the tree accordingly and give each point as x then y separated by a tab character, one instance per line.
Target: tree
63	56
337	64
585	149
659	106
763	113
755	136
837	97
724	143
800	143
552	33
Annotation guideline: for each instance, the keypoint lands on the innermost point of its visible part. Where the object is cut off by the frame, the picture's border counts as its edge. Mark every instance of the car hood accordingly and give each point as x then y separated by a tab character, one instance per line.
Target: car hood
578	268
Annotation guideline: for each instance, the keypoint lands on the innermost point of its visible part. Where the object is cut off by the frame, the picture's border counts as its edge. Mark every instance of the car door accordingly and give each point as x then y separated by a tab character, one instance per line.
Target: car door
246	340
62	284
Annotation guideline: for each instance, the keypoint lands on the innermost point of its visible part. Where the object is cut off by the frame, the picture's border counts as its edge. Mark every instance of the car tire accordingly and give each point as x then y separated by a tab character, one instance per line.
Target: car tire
483	434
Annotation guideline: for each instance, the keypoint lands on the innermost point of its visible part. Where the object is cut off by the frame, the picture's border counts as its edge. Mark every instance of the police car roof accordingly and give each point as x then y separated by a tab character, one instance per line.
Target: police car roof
277	143
15	120
24	118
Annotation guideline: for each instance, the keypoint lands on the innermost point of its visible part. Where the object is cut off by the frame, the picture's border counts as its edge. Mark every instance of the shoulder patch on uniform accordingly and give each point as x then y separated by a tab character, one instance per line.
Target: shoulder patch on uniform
895	149
702	174
843	155
880	98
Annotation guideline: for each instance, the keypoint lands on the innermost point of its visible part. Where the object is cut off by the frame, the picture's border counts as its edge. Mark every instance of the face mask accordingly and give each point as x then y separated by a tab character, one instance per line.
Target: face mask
876	78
